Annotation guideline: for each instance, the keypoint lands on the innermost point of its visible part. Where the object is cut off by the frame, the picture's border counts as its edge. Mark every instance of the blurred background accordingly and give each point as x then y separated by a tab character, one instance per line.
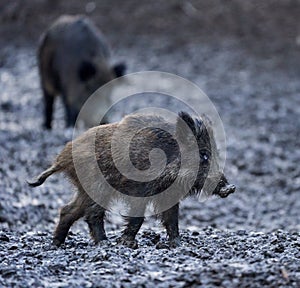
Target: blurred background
245	55
269	24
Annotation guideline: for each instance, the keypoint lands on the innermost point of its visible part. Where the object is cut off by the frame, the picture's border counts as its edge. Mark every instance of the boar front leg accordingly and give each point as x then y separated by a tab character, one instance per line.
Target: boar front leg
71	116
48	109
132	228
170	221
70	113
95	218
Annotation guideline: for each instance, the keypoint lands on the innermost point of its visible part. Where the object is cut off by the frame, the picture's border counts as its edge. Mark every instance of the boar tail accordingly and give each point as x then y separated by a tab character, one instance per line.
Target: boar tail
44	175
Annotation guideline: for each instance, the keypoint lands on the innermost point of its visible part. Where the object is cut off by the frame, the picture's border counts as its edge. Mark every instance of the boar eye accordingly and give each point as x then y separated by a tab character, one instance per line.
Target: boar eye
205	157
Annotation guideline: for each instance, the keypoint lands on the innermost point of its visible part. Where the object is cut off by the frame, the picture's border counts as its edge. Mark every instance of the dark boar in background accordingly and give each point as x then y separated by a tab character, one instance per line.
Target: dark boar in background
140	146
73	62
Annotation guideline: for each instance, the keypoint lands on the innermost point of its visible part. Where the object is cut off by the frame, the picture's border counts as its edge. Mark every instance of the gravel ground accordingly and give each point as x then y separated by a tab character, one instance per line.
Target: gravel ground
250	239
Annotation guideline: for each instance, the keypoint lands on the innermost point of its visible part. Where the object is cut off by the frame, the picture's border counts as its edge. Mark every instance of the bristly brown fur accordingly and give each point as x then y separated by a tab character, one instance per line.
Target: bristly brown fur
146	138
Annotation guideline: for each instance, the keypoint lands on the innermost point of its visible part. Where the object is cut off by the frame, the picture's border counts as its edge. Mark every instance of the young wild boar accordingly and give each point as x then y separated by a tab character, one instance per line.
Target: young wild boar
175	138
73	62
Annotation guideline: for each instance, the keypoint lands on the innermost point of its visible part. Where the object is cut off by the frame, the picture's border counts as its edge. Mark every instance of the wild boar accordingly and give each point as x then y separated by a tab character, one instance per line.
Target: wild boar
73	62
175	138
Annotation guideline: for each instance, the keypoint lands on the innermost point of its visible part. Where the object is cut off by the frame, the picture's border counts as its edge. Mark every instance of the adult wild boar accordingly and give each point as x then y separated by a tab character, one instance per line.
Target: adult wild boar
73	62
186	172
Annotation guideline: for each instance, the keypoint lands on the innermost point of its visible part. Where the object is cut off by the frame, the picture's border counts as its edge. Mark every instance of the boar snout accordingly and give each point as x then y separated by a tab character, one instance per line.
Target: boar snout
223	188
226	190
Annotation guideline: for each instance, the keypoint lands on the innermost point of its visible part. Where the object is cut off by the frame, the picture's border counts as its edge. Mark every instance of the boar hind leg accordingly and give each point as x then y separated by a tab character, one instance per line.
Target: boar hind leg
95	219
132	228
48	113
68	215
170	221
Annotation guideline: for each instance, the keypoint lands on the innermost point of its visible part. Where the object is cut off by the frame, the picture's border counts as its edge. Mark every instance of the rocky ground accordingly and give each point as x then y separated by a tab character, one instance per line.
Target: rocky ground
249	67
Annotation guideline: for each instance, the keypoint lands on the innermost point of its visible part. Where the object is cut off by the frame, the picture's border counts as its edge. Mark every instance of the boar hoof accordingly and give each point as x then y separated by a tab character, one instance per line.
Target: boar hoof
56	243
174	243
225	191
133	244
102	242
162	245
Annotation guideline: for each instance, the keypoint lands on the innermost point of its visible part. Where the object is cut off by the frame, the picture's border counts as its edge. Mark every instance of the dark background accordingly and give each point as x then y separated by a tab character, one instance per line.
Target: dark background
261	25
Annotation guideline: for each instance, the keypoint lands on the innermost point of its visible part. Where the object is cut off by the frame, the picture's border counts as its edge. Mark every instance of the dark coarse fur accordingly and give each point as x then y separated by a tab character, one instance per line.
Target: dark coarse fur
73	62
141	144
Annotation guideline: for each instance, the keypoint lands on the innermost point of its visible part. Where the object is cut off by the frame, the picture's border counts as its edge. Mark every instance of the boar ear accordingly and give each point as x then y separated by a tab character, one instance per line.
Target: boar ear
86	71
119	69
184	122
208	124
